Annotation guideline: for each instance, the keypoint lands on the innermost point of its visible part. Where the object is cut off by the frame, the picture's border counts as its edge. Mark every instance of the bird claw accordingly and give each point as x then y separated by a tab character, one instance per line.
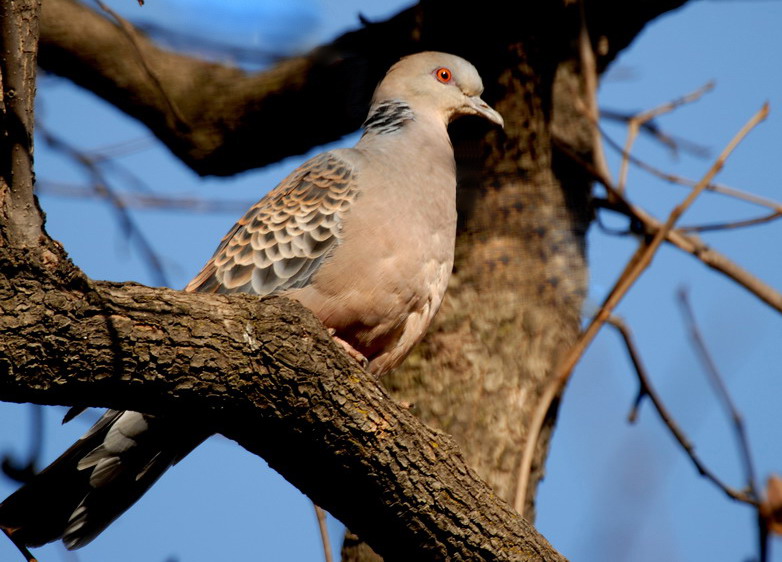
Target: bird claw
356	355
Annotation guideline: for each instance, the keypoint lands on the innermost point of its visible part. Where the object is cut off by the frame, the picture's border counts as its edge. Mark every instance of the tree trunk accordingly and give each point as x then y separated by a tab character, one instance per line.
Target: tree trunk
513	306
18	47
519	280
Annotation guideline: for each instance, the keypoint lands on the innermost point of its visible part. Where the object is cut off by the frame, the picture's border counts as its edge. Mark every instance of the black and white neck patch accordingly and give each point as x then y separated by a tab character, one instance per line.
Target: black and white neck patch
388	117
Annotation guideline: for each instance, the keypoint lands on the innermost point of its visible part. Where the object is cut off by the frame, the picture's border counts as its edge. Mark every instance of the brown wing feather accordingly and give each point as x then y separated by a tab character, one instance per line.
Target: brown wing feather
283	239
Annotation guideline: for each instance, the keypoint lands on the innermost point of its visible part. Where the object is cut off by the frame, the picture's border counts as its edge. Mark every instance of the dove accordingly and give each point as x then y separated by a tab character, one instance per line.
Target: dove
363	237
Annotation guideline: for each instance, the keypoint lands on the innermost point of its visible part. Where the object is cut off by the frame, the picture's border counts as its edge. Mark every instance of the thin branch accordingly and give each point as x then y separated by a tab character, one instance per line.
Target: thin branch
733	413
123	148
602	203
638	365
637	264
723	264
686	242
134	232
102	188
635	123
209	48
590	73
130	178
730	225
320	514
591	111
718	383
679	180
129	31
674	143
646	390
145	202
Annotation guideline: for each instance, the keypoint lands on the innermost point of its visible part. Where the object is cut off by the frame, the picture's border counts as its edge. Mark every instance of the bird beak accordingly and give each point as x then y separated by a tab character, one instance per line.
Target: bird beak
481	108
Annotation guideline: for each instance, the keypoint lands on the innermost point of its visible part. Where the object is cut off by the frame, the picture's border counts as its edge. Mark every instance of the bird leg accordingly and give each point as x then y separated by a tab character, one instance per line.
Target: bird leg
356	355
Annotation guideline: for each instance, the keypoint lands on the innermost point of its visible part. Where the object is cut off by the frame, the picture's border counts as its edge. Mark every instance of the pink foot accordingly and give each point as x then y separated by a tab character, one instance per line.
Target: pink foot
357	355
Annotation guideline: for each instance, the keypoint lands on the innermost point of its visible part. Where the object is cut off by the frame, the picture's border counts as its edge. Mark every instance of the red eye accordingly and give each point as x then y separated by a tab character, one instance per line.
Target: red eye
443	75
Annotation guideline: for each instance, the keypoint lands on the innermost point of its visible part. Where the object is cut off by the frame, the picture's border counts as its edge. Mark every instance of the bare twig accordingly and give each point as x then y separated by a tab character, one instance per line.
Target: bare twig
589	71
132	230
143	201
724	265
123	148
679	180
589	65
602	203
638	365
718	383
129	32
732	411
674	143
637	264
210	48
635	123
686	242
103	190
735	224
324	533
647	391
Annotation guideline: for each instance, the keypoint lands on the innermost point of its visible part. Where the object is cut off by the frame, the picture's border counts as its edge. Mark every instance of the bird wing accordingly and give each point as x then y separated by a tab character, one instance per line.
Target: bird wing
284	238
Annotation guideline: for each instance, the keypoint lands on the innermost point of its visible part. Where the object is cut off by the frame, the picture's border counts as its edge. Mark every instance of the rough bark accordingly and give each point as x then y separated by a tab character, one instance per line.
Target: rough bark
19	35
520	275
514	304
261	371
265	373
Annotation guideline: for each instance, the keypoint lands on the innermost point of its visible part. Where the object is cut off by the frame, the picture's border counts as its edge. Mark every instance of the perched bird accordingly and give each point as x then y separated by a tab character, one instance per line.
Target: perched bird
362	236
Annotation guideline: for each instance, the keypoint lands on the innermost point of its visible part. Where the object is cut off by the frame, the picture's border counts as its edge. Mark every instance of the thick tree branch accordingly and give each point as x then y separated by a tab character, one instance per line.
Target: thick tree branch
614	24
265	373
165	351
233	120
18	38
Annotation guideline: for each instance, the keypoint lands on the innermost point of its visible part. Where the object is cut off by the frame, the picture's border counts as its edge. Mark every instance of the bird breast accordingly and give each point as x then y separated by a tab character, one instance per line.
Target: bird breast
396	283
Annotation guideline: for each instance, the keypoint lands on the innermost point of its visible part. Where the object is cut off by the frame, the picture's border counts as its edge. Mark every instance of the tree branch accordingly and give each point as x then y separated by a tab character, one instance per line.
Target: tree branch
18	38
261	371
230	120
264	366
265	373
614	24
236	120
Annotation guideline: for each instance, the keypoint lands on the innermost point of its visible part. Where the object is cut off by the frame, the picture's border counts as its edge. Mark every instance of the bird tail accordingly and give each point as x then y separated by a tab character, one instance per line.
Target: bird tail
100	476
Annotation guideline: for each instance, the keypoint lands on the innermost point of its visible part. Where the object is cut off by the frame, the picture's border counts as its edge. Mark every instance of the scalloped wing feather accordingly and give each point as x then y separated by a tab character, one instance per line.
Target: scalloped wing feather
283	239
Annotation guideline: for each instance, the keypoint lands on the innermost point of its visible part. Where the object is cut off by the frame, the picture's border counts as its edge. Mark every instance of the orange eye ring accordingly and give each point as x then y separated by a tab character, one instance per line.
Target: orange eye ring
443	75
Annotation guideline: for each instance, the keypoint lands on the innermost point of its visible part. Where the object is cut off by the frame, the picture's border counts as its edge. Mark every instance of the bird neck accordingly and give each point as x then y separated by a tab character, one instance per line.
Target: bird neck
394	127
391	120
387	116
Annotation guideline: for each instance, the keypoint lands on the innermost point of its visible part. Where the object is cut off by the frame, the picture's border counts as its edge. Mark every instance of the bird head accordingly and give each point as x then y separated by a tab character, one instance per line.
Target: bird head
436	81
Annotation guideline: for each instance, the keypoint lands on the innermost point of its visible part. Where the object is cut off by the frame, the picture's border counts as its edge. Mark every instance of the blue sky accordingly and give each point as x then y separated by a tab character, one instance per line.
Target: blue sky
612	491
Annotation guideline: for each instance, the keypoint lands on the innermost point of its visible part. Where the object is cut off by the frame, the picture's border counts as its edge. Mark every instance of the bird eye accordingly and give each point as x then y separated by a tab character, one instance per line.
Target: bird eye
443	75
